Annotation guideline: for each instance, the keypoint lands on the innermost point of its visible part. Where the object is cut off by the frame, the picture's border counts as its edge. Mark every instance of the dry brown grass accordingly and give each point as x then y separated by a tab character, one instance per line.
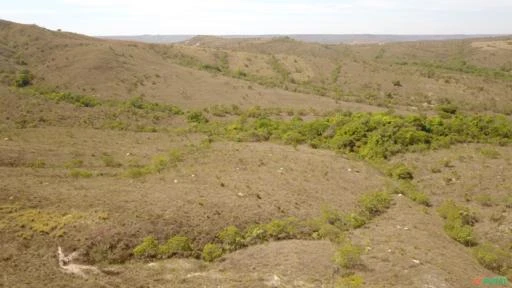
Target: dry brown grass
67	173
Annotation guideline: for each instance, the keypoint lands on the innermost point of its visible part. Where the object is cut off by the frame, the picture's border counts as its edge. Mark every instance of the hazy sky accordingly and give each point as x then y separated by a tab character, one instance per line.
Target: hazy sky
128	17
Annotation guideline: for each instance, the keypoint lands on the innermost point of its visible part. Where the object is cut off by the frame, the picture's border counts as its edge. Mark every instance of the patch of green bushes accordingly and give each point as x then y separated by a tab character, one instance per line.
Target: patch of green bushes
490	153
109	161
458	222
211	252
141	104
494	258
147	249
350	281
38	163
409	190
197	117
75	99
74	163
371	136
150	247
279	229
80	173
374	204
175	245
232	238
400	172
348	256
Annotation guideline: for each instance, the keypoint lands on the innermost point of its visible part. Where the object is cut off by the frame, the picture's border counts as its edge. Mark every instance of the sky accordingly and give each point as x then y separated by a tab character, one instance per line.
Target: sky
252	17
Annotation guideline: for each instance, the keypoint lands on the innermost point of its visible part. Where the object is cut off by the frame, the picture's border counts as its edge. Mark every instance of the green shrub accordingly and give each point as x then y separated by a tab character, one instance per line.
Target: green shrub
453	212
38	163
232	239
401	172
109	161
375	203
281	228
355	220
139	103
255	234
350	281
147	249
485	199
493	258
334	218
211	252
458	223
75	163
348	256
490	153
197	117
410	191
23	79
75	99
460	233
397	83
157	165
372	136
175	245
329	232
447	108
80	173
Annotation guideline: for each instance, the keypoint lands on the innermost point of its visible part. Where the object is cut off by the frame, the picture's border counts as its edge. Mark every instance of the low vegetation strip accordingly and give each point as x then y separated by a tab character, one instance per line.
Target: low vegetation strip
459	221
80	100
332	225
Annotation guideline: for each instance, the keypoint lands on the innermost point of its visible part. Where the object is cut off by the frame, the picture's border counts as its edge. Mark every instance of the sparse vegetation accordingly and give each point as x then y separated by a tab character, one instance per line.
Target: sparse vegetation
197	117
157	165
80	173
494	258
109	161
408	189
348	256
350	281
211	196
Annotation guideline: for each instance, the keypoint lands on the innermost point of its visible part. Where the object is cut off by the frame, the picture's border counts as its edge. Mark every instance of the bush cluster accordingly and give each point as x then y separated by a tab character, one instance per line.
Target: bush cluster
458	222
348	256
494	258
409	190
374	136
150	248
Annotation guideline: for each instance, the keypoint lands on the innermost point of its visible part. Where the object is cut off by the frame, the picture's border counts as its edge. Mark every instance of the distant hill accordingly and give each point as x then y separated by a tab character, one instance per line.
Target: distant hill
152	38
314	38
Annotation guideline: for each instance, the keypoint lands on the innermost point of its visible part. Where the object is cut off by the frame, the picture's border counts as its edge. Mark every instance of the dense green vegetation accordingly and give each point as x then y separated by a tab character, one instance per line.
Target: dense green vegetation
371	136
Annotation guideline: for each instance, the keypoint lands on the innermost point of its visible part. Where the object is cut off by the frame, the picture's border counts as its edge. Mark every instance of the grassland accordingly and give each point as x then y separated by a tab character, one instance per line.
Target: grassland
248	163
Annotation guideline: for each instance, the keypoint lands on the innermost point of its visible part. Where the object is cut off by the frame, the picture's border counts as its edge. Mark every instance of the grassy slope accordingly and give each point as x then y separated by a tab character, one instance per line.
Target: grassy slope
65	182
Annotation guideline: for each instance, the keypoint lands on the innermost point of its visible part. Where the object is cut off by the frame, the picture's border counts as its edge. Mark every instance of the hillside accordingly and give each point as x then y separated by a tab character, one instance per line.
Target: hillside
253	162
